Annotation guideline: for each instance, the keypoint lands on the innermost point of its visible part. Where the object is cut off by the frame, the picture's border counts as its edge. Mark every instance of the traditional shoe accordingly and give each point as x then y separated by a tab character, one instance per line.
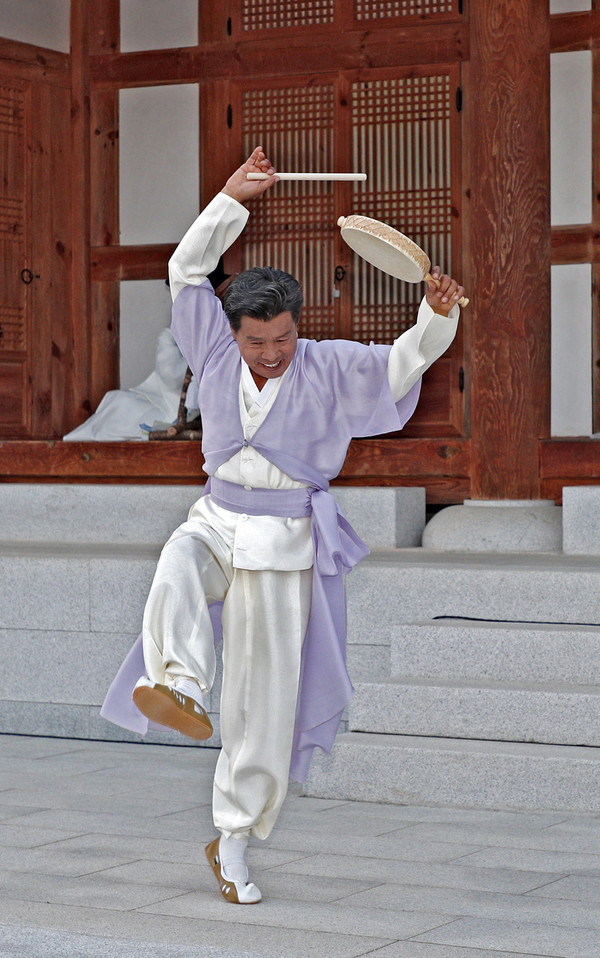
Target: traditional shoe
237	892
170	707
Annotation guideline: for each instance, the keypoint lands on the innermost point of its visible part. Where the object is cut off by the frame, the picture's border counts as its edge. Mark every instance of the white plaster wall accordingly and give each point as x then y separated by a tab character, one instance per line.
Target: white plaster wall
571	410
159	199
571	137
44	23
571	203
158	24
569	6
145	312
158	150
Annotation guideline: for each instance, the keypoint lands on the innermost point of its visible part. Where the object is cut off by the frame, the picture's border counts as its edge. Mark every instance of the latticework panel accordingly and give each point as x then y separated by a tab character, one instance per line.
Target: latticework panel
12	219
12	329
292	226
280	14
12	174
385	9
12	213
11	110
401	134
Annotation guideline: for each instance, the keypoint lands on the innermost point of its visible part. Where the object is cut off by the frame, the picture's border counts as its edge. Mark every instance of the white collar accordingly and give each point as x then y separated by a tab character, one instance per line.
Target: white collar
256	395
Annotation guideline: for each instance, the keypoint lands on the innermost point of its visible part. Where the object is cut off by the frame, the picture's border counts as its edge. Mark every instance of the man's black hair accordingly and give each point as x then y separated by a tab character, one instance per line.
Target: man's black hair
262	293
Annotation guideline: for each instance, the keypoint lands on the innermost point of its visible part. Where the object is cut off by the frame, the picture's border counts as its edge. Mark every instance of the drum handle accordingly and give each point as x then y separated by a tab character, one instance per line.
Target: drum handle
463	301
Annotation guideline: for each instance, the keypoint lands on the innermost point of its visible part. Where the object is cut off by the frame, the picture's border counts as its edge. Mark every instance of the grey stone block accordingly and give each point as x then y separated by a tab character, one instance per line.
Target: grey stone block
455	649
44	718
533	859
385	518
43	592
386	590
18	941
377	922
581	520
509	935
368	660
572	888
30	512
496	526
63	667
431	874
118	591
433	771
502	712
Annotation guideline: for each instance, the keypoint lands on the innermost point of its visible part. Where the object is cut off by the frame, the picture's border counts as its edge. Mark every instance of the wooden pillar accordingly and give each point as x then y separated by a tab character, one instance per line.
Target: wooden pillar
80	213
94	219
105	37
510	245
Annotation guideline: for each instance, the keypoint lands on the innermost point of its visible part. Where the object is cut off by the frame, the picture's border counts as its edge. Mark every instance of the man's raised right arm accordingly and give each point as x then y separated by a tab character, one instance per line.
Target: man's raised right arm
218	225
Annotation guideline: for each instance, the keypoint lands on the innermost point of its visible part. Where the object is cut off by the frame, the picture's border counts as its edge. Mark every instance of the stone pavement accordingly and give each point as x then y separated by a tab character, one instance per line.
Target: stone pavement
101	848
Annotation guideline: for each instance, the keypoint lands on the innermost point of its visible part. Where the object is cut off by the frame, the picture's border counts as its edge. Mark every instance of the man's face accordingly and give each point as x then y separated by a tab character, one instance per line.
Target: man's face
267	347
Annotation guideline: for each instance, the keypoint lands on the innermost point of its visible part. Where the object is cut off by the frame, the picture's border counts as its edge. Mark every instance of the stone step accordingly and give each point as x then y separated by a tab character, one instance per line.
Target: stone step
95	514
386	518
555	714
391	588
496	651
413	770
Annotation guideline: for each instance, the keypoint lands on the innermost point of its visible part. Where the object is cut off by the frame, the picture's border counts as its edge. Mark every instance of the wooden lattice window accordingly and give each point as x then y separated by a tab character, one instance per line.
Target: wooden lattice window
12	215
281	14
261	15
399	131
293	229
401	134
382	9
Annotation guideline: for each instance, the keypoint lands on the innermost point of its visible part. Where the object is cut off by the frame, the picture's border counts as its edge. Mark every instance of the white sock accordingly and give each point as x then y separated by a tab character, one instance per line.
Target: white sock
232	852
190	688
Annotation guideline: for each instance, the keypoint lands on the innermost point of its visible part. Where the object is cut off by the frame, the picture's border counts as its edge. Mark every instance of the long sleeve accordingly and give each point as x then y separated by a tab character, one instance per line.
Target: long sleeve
214	231
418	348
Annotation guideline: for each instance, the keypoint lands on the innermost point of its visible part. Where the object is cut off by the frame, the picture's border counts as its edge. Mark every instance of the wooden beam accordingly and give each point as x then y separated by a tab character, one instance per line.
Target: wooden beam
570	459
574	31
442	467
273	56
405	458
116	263
568	462
510	246
27	61
575	244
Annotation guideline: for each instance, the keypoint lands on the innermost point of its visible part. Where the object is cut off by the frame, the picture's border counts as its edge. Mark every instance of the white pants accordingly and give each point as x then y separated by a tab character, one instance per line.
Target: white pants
265	615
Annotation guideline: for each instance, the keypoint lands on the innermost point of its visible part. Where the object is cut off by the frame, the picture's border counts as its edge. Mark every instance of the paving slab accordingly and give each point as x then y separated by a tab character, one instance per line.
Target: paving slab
101	854
548	940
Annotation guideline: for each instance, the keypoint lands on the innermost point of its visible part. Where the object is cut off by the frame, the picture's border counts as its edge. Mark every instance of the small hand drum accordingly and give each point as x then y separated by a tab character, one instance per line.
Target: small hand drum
388	250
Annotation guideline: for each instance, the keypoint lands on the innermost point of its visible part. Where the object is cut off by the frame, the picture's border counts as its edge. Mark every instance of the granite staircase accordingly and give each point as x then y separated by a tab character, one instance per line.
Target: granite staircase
486	689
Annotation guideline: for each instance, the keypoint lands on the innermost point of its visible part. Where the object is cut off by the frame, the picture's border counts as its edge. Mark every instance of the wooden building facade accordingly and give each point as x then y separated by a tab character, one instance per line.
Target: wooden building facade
444	103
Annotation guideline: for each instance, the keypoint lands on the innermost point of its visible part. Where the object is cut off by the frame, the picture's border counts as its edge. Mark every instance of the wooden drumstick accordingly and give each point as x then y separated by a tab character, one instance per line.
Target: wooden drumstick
343	177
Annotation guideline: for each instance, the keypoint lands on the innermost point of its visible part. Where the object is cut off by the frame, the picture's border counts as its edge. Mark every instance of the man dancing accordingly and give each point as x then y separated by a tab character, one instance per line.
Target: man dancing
267	539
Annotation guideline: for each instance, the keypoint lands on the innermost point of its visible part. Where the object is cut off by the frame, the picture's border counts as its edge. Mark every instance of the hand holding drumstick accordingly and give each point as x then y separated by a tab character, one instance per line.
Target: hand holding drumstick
241	188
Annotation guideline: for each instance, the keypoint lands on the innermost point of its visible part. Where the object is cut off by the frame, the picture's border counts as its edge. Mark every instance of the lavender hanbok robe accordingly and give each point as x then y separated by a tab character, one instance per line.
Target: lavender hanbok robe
332	392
